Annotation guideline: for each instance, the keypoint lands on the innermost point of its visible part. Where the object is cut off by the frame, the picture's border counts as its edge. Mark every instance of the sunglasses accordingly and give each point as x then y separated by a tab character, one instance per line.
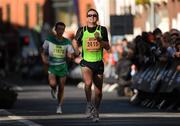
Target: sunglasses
92	15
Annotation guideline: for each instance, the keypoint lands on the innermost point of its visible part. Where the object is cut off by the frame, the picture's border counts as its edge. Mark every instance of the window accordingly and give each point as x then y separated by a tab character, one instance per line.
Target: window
27	15
0	14
8	10
38	11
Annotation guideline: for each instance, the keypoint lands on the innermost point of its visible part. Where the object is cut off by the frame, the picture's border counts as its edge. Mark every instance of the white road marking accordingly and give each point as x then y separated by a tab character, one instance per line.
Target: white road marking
10	116
17	88
106	87
26	119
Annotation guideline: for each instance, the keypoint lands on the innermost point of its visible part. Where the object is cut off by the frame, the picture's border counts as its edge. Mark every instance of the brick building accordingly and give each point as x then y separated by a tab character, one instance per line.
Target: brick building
32	13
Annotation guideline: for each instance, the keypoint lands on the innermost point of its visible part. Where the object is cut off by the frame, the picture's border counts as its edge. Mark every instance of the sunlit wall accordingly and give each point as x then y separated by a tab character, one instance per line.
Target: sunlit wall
23	12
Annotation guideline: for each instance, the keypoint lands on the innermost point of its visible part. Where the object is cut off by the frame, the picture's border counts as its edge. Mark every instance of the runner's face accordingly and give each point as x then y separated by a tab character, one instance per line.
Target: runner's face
92	17
60	30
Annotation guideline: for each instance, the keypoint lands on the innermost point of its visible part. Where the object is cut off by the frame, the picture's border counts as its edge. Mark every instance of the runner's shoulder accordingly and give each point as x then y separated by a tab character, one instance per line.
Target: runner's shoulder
50	37
80	29
67	41
103	28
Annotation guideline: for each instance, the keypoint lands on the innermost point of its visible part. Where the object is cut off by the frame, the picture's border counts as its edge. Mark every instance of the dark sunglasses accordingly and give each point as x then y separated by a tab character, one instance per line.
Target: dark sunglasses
92	15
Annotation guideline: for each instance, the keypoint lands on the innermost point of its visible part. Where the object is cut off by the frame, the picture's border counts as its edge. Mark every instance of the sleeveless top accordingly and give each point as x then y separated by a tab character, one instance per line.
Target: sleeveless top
92	51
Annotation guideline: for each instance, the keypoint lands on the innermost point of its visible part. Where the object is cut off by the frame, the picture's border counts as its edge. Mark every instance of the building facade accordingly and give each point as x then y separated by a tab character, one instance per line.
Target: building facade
28	13
147	14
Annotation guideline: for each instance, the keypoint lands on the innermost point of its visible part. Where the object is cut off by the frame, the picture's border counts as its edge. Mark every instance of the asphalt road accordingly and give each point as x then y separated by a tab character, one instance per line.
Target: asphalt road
35	107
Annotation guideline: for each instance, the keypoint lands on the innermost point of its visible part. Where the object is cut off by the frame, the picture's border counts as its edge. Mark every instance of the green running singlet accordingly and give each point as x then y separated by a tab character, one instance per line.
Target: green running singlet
88	40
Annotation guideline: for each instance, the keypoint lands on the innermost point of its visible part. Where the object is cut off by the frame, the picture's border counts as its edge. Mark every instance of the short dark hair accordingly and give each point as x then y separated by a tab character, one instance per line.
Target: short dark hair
59	23
91	9
157	31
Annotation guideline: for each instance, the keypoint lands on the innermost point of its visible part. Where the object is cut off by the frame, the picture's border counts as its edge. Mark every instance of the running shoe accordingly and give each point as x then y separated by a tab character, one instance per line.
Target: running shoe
89	109
95	115
53	93
59	110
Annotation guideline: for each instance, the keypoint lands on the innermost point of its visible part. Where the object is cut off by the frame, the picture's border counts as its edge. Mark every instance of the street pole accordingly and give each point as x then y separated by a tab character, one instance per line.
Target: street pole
152	15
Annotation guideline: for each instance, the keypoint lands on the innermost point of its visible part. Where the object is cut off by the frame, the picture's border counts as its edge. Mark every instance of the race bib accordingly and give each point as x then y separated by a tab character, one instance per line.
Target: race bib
58	51
92	44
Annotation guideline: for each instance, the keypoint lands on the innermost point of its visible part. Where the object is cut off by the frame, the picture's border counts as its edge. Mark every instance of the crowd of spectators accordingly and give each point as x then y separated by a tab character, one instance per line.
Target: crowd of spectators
127	58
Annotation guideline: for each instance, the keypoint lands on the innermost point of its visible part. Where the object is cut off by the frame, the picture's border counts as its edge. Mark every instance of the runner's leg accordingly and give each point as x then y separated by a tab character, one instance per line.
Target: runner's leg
87	77
60	95
61	90
98	81
52	80
52	84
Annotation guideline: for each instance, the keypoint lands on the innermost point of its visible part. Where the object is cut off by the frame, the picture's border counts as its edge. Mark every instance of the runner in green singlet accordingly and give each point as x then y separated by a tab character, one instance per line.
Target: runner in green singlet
93	38
56	49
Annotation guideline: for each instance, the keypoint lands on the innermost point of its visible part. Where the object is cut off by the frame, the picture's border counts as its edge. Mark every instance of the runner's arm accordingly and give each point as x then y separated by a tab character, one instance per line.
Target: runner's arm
44	57
77	40
104	41
76	47
44	52
70	52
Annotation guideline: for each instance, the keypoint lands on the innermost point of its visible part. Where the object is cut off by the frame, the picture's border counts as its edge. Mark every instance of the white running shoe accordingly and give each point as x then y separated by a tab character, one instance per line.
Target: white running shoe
89	109
95	115
59	110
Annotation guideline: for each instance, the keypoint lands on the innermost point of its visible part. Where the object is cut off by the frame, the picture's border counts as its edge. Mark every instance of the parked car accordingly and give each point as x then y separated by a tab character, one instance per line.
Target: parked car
31	65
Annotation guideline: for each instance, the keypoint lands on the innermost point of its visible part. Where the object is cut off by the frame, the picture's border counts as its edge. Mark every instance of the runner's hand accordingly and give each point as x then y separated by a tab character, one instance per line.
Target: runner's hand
97	36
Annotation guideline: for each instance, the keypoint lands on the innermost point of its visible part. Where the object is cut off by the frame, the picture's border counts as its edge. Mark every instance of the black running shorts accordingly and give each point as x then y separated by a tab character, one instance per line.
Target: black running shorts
96	67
